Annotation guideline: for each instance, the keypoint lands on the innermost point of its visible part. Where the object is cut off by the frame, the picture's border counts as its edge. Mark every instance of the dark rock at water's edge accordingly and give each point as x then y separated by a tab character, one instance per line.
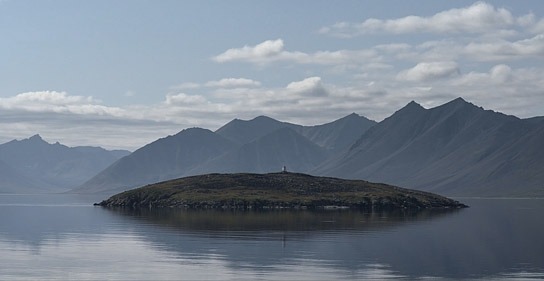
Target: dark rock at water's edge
275	190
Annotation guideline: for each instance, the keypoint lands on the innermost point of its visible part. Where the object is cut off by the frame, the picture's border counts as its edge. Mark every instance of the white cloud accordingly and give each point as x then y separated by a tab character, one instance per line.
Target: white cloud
482	49
538	28
338	57
59	102
272	51
501	73
526	20
184	86
309	87
85	121
383	57
181	98
497	75
78	120
393	47
506	50
478	18
511	91
264	51
233	83
43	98
256	99
427	71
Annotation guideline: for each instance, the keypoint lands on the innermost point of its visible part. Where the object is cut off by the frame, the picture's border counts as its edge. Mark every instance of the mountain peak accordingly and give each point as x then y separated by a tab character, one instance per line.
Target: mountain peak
263	117
459	100
413	104
194	129
411	107
245	131
458	104
35	137
353	115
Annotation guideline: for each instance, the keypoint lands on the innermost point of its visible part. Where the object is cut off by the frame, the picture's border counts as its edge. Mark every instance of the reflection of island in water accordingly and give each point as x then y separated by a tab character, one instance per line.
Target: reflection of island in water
280	220
449	243
346	240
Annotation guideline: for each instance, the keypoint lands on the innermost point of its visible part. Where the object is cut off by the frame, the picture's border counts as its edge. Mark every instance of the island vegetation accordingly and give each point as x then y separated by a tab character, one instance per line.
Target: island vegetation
275	190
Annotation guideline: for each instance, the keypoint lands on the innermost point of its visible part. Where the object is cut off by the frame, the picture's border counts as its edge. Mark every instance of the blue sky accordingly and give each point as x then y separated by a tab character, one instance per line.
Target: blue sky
120	74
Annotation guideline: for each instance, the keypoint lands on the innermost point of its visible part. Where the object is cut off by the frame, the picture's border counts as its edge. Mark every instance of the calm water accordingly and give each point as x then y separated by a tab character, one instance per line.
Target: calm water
61	237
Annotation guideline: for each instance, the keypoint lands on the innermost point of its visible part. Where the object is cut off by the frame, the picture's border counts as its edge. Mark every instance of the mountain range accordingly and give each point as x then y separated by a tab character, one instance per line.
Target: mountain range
34	166
455	149
260	145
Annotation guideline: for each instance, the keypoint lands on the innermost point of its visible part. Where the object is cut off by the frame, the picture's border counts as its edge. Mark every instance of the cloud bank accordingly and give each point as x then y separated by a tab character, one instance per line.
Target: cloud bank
273	51
84	121
478	18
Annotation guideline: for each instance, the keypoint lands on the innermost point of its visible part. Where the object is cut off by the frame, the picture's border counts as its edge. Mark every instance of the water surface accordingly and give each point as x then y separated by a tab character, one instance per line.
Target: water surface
52	237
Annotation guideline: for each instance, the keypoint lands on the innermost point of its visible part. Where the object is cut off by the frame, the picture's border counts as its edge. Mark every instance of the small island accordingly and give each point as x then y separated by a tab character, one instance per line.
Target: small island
275	190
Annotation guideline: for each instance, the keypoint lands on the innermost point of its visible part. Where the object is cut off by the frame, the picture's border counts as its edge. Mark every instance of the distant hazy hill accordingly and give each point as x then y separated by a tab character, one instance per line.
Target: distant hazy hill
259	145
33	165
453	149
14	182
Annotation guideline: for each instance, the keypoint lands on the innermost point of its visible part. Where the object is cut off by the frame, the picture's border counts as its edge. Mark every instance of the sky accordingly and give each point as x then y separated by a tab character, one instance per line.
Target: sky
122	73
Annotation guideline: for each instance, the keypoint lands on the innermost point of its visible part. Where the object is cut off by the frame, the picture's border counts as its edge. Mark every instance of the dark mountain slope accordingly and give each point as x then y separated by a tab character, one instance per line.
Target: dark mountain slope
163	159
514	168
242	131
283	147
333	136
452	149
338	134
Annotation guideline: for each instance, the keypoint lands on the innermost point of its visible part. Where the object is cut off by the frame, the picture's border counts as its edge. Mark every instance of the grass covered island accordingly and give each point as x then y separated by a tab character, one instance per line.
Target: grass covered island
275	190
